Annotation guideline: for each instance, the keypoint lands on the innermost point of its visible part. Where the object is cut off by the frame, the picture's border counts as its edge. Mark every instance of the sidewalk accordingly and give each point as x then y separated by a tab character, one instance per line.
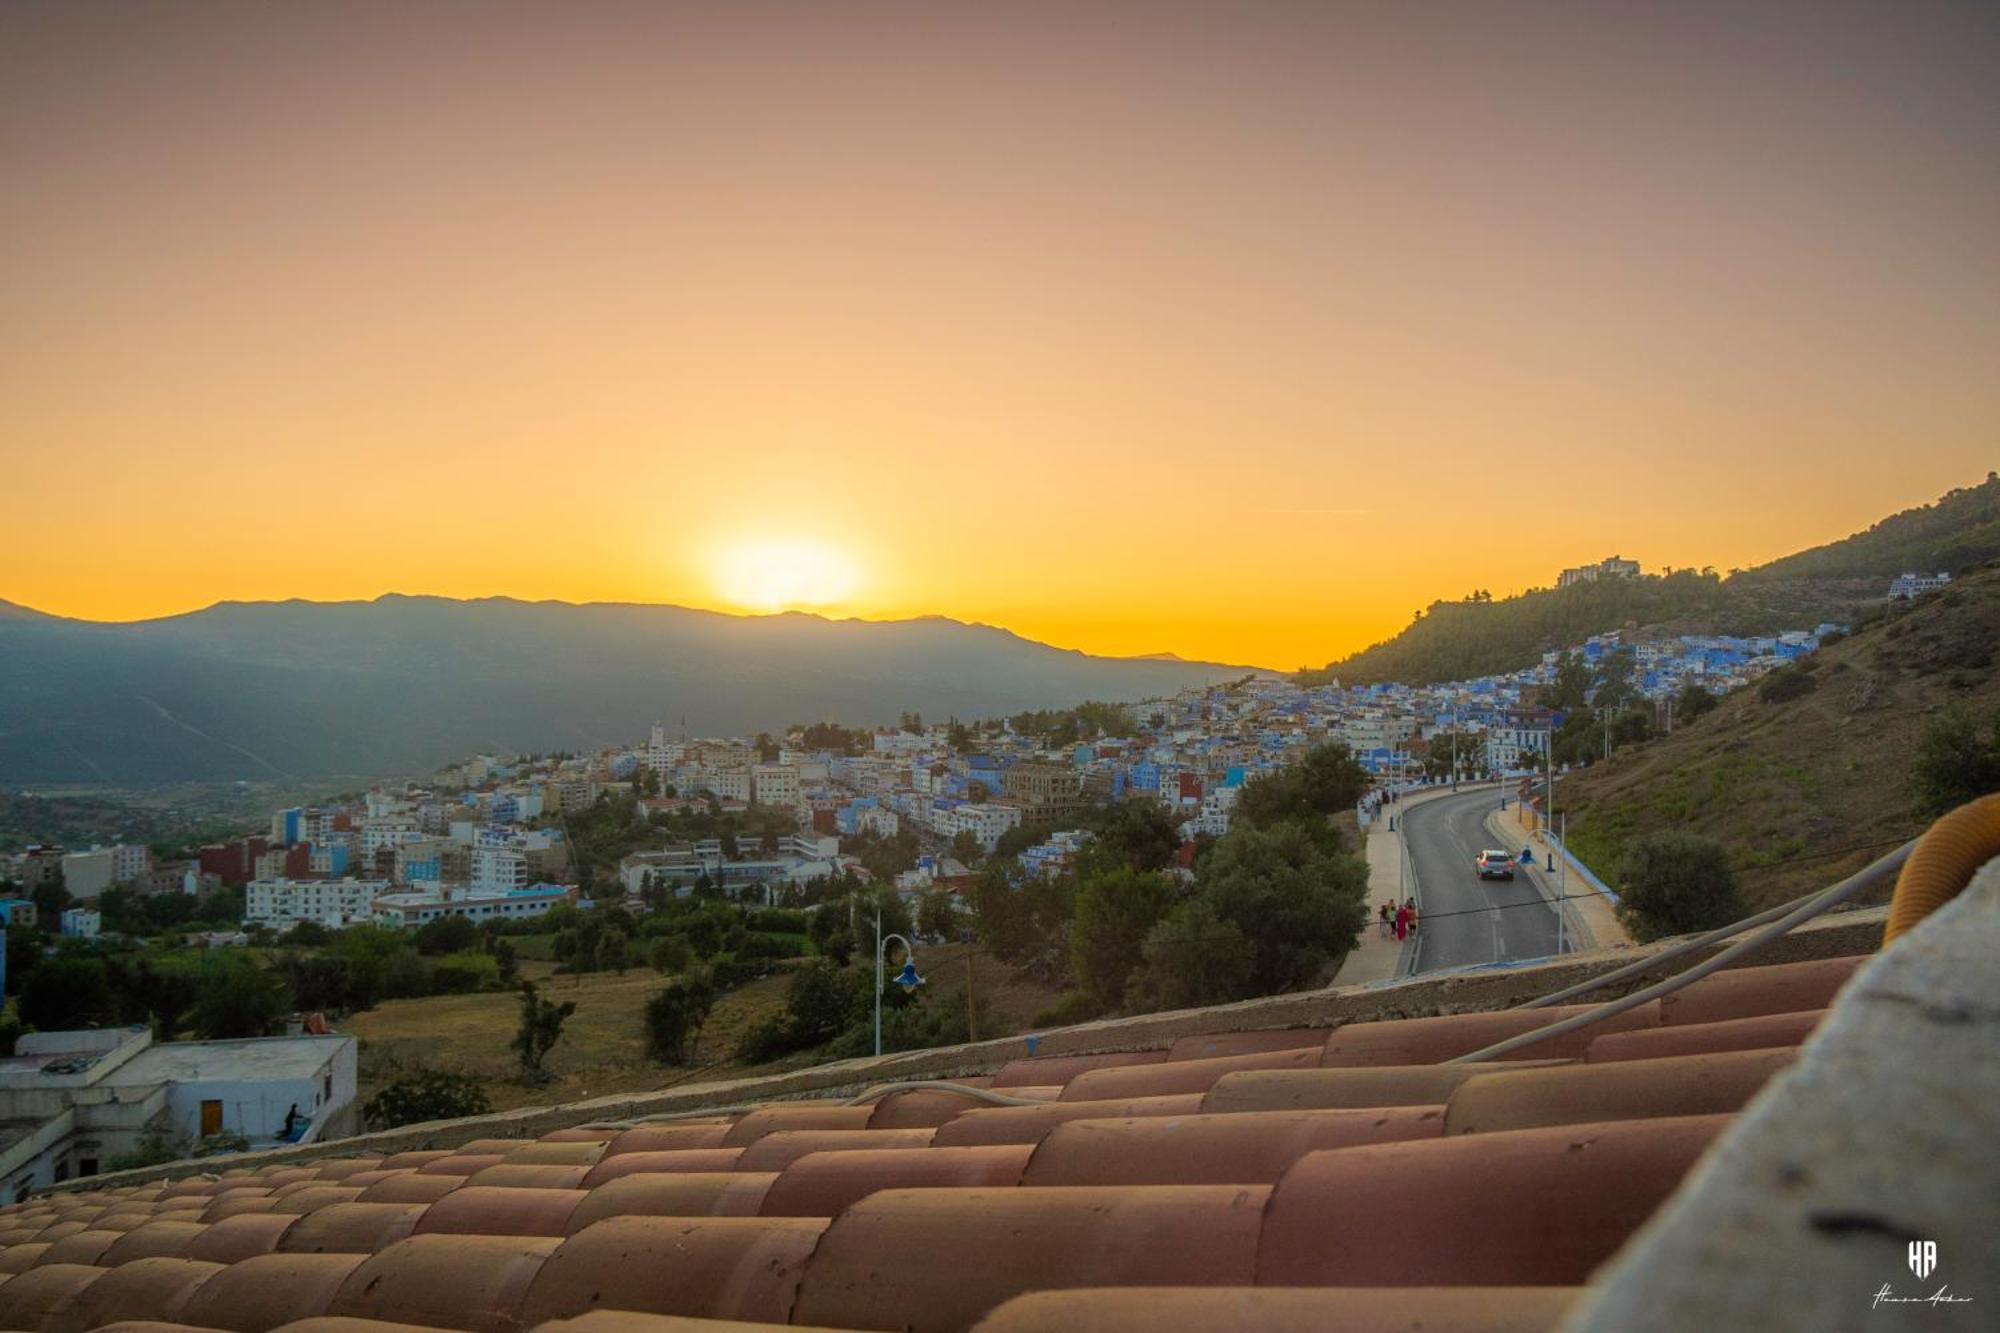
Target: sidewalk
1375	958
1591	917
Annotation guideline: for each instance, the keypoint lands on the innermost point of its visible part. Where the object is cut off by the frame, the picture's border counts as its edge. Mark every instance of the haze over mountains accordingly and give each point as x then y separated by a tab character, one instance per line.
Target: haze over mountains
400	685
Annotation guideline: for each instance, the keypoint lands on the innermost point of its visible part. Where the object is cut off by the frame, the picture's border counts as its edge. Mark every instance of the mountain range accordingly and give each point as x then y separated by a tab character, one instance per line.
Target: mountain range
401	685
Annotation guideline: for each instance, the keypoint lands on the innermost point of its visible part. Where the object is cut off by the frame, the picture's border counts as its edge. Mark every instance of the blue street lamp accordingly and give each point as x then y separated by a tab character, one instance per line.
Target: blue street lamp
907	978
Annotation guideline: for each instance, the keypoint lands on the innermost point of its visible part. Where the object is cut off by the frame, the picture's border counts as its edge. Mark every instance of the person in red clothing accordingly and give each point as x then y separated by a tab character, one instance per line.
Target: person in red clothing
1403	922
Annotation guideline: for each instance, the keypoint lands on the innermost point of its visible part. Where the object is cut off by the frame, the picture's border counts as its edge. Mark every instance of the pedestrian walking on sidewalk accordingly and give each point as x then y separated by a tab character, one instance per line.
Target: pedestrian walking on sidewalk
1383	917
1410	913
1402	923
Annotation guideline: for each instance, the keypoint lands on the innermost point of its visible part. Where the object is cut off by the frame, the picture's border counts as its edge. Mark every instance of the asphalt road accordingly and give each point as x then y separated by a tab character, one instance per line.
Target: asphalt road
1464	919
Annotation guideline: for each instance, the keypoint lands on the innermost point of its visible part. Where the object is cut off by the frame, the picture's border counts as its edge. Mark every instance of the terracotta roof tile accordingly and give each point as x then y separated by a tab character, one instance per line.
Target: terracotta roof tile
531	1176
15	1258
1249	1149
328	1323
313	1198
461	1164
137	1290
345	1168
775	1152
487	1210
676	1194
241	1237
919	1108
166	1238
1425	1041
351	1228
1531	1207
1335	1089
410	1187
1736	1034
1285	1310
938	1259
1622	1090
1179	1076
724	1268
642	1163
266	1290
228	1205
30	1299
1747	991
825	1184
466	1282
627	1321
561	1152
84	1247
1051	1069
1027	1124
794	1115
665	1138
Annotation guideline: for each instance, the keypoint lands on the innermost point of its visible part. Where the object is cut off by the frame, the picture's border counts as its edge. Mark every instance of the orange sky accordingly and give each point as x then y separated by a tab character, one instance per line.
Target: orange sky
1236	331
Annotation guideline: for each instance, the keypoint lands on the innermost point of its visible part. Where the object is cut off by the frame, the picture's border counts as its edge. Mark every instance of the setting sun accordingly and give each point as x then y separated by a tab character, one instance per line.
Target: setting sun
785	575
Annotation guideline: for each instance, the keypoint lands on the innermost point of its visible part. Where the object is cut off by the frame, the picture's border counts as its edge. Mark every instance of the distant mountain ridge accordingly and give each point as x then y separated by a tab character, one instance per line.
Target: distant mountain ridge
402	684
1463	640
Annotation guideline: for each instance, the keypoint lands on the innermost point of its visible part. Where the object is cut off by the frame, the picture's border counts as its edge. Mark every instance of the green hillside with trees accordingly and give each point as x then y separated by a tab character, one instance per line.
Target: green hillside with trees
1481	635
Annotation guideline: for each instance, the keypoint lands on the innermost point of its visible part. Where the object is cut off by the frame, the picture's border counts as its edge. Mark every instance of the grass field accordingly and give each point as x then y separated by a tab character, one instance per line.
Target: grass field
603	1045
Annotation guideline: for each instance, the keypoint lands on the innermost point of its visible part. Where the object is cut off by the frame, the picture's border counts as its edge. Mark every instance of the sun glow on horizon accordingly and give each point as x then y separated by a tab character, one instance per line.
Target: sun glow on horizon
787	574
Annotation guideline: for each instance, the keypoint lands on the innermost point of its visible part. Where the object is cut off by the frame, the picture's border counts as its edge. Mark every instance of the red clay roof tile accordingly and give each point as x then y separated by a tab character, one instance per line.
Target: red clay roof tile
167	1238
1744	992
1027	1124
1180	1076
1425	1041
1531	1207
675	1194
665	1138
488	1210
15	1258
1052	1069
643	1163
466	1282
775	1152
531	1176
29	1299
722	1268
1622	1090
237	1238
920	1108
794	1115
1285	1310
1334	1089
351	1228
143	1288
1737	1034
266	1290
825	1184
410	1187
1248	1149
938	1259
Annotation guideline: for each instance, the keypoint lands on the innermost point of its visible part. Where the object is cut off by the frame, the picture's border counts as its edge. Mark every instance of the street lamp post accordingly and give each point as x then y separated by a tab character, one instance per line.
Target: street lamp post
907	978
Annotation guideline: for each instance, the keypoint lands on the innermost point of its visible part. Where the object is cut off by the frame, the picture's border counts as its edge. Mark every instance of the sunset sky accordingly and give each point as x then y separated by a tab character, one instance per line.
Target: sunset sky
1232	330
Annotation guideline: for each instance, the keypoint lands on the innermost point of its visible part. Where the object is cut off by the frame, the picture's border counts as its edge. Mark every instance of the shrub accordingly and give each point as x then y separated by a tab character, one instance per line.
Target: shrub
430	1095
466	972
1676	882
1958	760
1786	684
1194	957
670	953
1114	911
447	934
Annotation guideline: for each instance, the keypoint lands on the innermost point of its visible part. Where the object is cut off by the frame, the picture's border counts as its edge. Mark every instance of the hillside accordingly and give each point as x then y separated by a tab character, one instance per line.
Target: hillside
1805	791
1462	640
400	685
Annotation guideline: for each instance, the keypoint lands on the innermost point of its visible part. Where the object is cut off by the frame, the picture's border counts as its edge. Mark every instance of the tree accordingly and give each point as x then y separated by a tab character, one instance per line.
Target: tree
68	991
541	1027
239	999
307	935
1192	958
1569	690
1328	778
1115	909
1958	759
1676	882
51	900
432	1094
1025	925
965	848
452	933
675	1016
939	915
1299	901
1139	835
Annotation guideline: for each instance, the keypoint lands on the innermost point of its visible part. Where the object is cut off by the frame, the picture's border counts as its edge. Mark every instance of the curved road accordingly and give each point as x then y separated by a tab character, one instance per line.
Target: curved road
1464	919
